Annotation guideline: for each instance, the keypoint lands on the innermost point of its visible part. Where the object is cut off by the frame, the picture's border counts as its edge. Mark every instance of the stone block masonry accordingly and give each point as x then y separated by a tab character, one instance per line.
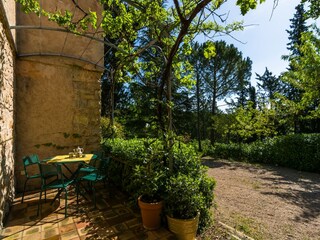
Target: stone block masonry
7	190
49	103
58	109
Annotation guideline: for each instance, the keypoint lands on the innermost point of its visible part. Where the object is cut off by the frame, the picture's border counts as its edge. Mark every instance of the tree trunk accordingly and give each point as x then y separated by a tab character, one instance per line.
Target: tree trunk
213	108
167	79
112	103
198	114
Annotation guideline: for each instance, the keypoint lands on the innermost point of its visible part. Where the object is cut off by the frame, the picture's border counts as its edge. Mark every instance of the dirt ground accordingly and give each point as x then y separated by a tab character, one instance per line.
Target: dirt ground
267	202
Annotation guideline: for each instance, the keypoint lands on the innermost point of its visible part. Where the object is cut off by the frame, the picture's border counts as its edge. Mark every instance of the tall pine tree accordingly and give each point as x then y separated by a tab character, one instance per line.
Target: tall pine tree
268	84
297	27
223	75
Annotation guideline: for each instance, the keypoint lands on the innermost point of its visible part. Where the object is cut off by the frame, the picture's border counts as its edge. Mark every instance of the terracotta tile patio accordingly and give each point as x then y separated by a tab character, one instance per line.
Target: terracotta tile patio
114	218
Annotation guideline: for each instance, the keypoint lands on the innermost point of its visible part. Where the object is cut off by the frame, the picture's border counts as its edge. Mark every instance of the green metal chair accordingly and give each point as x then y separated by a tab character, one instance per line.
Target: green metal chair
61	183
99	173
32	161
92	166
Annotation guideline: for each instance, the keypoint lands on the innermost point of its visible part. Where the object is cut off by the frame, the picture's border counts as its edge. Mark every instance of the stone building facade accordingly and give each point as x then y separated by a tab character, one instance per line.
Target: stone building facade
7	119
49	92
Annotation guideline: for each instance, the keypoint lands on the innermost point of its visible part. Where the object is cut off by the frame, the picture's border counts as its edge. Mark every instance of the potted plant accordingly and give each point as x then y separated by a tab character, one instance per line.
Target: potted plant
150	199
177	177
183	202
149	181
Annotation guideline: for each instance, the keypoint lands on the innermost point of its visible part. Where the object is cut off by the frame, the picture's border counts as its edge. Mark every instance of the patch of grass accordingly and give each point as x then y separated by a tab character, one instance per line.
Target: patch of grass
248	226
216	232
256	185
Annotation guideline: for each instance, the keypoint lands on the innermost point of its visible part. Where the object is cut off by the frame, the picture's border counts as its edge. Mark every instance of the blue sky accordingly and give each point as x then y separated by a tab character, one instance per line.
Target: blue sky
265	41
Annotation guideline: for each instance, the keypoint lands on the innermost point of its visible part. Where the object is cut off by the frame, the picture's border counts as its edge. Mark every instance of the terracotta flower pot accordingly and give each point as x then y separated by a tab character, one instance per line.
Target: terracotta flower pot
151	214
184	229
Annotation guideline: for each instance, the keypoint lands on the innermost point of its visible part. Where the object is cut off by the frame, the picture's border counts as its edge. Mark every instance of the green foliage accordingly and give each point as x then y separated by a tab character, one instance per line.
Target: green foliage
125	20
222	126
314	8
59	147
250	124
66	135
149	177
269	84
136	27
246	5
132	153
65	19
297	27
205	145
107	130
183	199
209	50
299	151
144	159
222	71
148	183
227	151
301	100
29	6
218	76
76	135
305	74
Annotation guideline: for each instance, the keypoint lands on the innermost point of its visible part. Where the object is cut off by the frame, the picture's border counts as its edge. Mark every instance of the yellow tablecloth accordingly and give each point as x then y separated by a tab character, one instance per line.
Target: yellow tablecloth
66	159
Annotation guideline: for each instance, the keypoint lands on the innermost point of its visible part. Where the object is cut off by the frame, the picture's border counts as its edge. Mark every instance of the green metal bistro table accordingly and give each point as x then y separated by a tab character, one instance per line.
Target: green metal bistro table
65	160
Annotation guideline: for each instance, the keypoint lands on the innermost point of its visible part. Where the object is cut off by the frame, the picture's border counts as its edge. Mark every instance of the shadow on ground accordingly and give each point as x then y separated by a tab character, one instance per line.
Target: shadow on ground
114	218
299	188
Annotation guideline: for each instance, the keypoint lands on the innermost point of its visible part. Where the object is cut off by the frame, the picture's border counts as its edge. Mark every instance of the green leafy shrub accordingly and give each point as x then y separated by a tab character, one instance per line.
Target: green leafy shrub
128	154
149	177
183	200
205	145
186	160
186	195
188	174
227	151
299	151
188	167
149	183
107	130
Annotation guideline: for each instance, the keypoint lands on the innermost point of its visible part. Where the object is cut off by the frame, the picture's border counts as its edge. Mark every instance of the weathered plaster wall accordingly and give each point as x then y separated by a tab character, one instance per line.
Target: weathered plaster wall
58	108
58	91
6	116
48	105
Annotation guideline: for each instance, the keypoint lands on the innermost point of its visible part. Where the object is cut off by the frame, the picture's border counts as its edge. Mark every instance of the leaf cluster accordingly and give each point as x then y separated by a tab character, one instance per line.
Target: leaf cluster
305	74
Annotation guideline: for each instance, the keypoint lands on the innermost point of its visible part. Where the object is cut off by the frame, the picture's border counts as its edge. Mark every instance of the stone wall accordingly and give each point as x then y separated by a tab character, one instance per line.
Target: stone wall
58	90
58	108
6	116
48	104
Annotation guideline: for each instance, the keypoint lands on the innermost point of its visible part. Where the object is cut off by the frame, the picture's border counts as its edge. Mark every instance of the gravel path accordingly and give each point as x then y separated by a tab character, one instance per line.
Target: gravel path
267	202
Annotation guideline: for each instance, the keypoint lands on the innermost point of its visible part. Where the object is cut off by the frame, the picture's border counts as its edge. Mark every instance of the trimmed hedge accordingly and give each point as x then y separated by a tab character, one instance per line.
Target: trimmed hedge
299	151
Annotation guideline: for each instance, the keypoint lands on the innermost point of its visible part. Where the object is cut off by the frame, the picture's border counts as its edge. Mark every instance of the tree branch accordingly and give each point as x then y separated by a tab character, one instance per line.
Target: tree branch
177	6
